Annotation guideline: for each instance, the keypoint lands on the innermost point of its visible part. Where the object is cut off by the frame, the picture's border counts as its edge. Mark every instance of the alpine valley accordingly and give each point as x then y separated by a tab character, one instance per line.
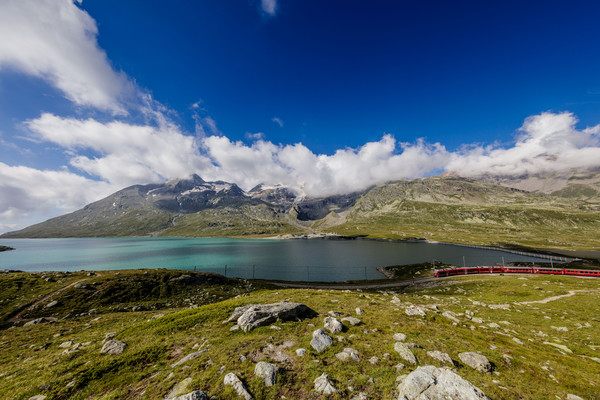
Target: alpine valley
557	212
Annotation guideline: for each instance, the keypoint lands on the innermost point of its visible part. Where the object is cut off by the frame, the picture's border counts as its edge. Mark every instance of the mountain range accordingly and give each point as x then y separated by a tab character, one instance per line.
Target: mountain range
544	212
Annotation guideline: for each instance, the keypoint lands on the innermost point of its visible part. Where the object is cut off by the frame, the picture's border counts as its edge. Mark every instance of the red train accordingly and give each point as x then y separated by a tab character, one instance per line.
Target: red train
515	270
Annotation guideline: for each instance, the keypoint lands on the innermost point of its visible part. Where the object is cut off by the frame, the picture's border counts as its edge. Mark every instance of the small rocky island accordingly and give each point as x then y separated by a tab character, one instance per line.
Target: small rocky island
6	248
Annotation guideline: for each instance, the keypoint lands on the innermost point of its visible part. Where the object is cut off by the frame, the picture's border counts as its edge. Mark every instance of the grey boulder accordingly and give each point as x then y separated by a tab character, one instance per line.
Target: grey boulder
255	315
323	385
476	361
405	352
231	379
114	347
195	395
431	383
440	356
352	321
320	340
266	371
333	325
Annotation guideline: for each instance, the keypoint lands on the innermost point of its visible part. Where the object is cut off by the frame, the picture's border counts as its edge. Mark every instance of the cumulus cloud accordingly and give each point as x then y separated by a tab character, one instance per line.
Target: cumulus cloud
29	194
312	174
269	6
56	41
548	142
121	154
125	154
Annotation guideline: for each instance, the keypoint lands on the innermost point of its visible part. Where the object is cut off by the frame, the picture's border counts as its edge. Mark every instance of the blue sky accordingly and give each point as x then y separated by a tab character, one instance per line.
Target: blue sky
326	97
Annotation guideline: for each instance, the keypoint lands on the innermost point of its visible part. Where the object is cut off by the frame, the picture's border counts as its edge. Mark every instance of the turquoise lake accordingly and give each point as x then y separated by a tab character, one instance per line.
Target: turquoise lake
294	260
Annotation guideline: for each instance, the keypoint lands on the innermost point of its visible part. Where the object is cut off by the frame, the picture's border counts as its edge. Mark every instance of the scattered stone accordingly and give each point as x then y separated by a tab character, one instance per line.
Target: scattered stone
72	349
374	360
476	361
573	397
51	304
235	327
441	357
477	320
323	385
493	325
335	313
114	347
499	306
39	321
414	310
517	340
352	321
266	371
451	316
231	379
38	397
405	352
348	353
300	352
359	396
195	395
560	347
333	325
399	337
255	315
399	367
66	345
109	336
179	388
320	340
188	358
81	286
429	382
557	328
359	311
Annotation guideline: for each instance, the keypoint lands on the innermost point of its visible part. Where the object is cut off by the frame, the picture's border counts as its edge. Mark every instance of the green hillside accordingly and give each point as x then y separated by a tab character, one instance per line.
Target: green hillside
536	331
471	212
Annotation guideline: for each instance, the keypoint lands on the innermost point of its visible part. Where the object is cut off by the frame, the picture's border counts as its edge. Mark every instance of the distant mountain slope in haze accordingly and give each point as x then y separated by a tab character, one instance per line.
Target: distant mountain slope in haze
443	208
471	211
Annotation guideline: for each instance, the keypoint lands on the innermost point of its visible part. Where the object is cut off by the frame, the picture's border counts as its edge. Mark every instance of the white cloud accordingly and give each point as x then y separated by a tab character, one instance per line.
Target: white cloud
269	6
56	41
127	154
318	175
255	136
278	121
30	195
548	142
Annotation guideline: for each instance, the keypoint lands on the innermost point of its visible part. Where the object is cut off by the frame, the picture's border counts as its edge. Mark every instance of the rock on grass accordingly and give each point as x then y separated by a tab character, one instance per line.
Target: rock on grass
404	351
323	385
429	382
195	395
255	315
476	361
114	347
267	371
231	379
320	340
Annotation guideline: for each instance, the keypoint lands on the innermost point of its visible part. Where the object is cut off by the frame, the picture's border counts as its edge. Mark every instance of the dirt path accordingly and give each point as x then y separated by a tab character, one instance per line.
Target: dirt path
17	317
562	296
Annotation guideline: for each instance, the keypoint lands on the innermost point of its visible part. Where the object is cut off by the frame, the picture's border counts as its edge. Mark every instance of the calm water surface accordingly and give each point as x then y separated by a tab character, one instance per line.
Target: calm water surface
299	260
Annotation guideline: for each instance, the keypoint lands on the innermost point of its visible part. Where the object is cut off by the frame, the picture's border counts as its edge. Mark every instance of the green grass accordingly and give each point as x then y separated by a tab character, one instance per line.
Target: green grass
33	363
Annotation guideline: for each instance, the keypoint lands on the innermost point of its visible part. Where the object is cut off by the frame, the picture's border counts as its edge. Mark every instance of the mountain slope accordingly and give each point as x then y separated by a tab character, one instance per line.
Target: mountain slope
473	212
443	208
